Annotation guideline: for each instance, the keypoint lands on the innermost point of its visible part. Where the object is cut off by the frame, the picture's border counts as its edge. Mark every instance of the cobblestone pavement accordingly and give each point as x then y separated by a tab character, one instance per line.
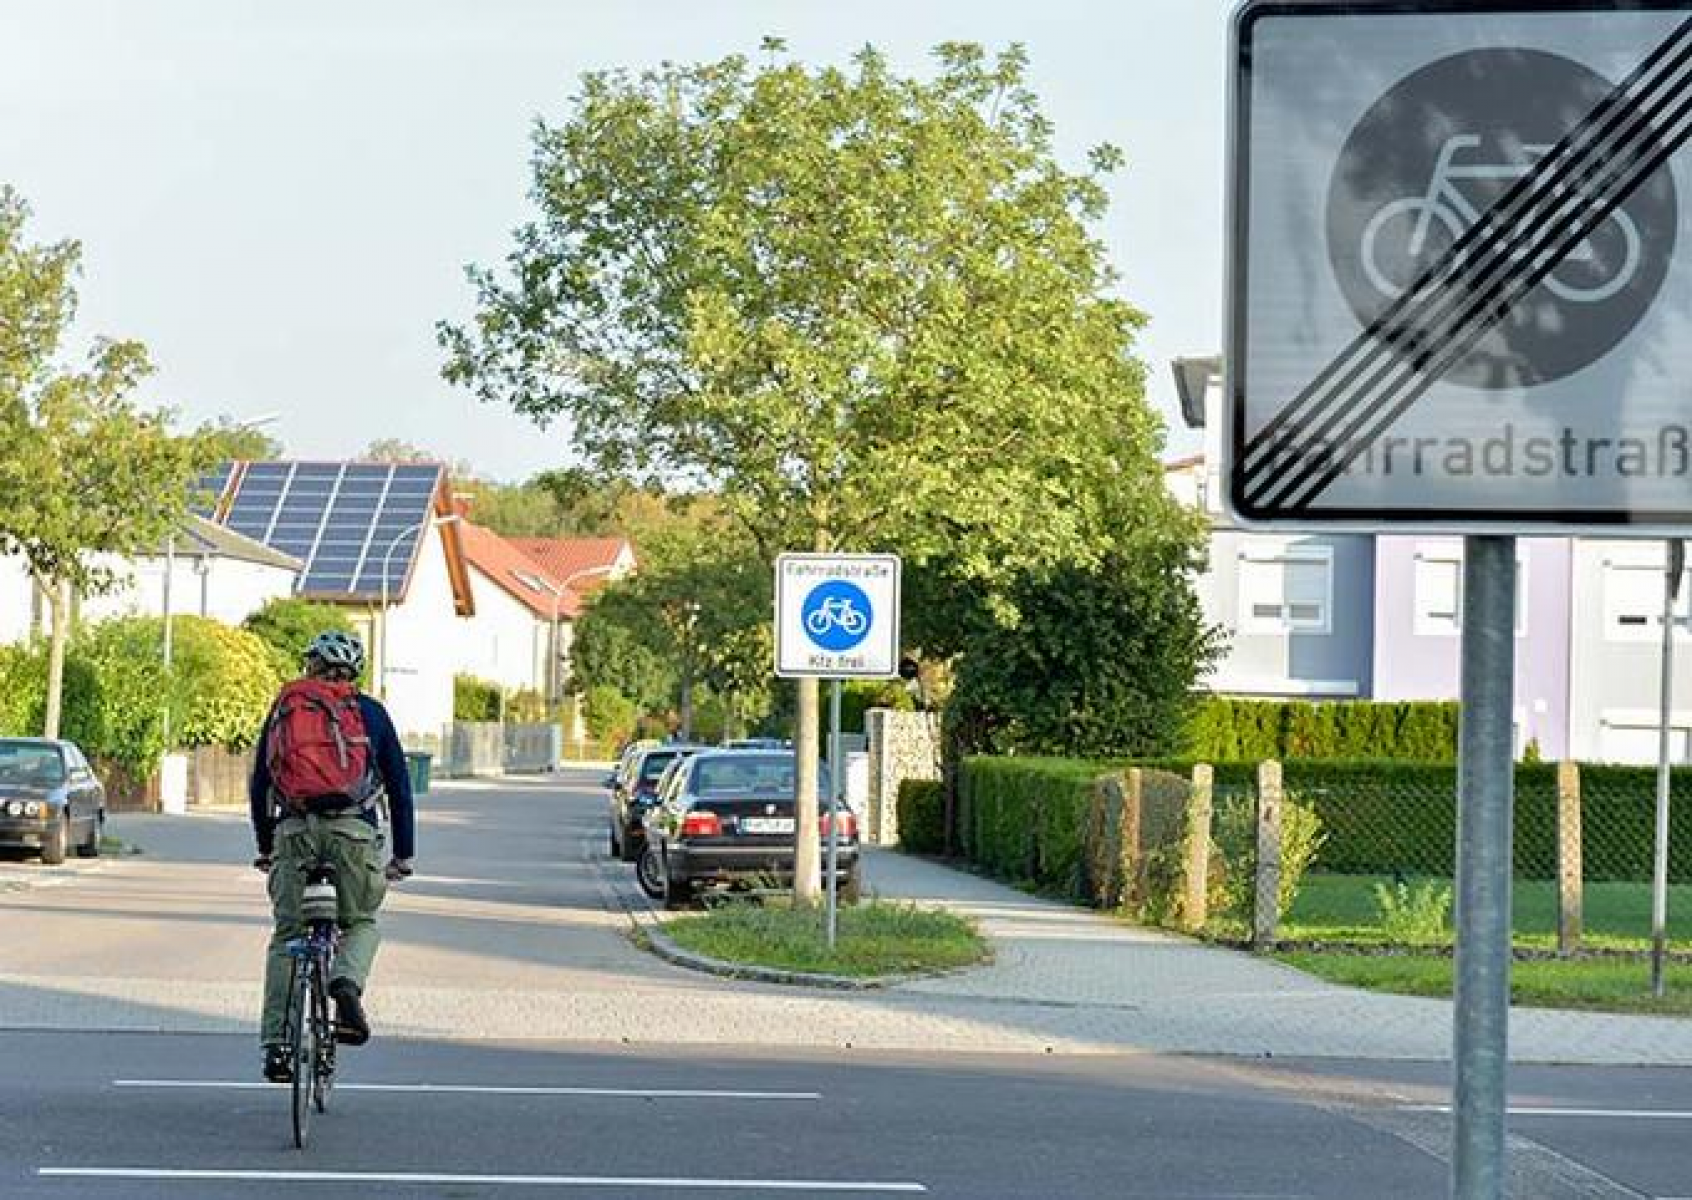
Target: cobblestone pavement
516	928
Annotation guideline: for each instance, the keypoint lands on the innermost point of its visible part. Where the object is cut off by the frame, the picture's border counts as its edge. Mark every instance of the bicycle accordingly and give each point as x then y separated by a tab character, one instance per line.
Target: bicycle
834	613
310	1030
1446	206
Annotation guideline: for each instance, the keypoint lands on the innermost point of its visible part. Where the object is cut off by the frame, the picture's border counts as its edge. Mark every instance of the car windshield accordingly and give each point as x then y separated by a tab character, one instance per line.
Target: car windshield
30	762
757	775
653	765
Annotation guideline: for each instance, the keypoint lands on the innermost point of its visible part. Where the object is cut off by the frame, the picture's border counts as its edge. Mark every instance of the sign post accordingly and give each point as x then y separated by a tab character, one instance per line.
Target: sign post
836	618
1452	227
1676	549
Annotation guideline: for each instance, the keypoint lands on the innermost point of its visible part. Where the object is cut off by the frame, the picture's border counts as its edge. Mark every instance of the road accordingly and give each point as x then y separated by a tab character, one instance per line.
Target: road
525	1046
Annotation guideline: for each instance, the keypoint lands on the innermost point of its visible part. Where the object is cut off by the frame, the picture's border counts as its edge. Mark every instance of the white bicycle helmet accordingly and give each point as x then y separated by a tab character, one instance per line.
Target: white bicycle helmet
336	649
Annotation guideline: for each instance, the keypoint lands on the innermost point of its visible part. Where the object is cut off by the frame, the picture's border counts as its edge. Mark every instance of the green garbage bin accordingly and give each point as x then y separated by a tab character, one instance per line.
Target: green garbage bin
417	763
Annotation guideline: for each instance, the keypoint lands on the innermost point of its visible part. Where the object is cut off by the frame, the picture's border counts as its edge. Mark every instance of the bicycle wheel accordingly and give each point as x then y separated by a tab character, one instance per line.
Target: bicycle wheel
305	1046
323	1063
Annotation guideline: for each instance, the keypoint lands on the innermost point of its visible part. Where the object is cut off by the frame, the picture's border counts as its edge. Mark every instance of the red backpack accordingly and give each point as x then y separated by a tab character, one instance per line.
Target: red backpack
318	749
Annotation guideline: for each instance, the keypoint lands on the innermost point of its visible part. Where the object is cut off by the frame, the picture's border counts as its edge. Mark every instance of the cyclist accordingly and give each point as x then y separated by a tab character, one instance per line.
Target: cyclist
320	726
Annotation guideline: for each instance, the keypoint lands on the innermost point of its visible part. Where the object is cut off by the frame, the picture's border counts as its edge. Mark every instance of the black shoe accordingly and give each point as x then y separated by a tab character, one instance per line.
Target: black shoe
278	1064
352	1028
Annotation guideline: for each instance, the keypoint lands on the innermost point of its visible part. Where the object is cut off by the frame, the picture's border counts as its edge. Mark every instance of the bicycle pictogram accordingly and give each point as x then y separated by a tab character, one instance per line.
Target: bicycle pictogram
1408	234
836	613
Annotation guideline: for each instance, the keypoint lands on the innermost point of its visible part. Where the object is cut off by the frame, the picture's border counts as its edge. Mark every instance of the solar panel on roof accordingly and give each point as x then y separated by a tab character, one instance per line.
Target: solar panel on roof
348	522
209	488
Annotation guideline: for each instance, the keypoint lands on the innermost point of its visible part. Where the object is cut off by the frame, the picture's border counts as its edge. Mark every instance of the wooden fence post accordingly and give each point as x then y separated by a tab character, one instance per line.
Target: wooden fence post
1128	846
1568	858
1195	905
1265	909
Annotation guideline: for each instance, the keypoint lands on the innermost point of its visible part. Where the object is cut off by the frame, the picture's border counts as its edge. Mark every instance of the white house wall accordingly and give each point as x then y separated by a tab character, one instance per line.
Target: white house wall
424	636
17	600
504	642
227	590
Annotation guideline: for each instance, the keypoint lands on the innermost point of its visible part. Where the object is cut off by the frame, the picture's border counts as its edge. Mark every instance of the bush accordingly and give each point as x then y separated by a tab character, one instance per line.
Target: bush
224	681
1226	730
610	716
526	706
922	816
1026	819
1235	836
286	626
1413	916
474	699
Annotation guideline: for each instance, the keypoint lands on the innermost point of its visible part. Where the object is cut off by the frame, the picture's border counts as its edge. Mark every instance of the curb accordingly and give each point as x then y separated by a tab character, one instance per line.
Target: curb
648	932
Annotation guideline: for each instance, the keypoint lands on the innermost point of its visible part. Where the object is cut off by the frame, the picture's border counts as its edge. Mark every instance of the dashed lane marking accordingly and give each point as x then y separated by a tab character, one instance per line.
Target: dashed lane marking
632	1182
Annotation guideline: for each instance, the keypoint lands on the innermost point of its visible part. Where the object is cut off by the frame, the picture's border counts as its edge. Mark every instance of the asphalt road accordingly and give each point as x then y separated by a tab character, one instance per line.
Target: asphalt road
126	1070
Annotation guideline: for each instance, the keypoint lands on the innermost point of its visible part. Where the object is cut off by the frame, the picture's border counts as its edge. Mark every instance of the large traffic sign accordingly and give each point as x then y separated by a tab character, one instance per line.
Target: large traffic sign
1459	294
837	616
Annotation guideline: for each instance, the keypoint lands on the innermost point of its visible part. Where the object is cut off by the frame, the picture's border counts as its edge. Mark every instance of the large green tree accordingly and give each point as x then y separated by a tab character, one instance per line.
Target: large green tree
83	471
868	311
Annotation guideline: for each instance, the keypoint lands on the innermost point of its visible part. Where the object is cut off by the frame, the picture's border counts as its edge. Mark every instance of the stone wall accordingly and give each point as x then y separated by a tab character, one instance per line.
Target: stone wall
902	745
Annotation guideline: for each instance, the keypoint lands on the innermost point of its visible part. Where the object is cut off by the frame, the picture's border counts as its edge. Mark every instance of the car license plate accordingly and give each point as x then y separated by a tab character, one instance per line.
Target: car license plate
766	824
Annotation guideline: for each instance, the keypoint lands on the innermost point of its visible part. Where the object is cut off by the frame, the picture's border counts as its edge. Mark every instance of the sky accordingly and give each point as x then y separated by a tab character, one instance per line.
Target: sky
279	200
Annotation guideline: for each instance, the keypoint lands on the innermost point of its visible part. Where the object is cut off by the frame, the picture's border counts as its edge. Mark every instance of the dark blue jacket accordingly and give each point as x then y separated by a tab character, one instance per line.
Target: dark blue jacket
389	757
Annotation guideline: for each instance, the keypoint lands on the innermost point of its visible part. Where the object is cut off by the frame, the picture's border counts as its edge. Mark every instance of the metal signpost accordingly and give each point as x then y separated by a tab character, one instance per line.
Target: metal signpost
836	618
1676	550
1452	231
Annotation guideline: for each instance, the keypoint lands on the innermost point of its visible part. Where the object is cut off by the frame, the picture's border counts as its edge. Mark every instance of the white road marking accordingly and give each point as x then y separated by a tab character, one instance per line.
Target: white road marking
1629	1114
467	1089
378	1177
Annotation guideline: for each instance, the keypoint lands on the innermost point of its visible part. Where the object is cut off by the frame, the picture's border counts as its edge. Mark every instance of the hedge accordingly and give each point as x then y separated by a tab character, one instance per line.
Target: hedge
1227	730
922	816
1025	819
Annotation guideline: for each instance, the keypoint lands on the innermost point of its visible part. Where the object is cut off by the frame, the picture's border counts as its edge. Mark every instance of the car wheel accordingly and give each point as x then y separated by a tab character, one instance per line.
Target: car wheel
96	828
56	844
649	872
678	893
631	850
616	844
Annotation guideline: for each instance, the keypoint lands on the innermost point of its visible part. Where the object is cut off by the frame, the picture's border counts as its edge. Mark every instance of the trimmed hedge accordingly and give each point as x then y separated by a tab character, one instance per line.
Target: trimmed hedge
1228	730
922	816
1025	819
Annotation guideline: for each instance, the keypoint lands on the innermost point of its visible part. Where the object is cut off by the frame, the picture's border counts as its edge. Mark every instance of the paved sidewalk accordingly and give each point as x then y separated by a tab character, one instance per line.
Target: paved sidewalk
1157	991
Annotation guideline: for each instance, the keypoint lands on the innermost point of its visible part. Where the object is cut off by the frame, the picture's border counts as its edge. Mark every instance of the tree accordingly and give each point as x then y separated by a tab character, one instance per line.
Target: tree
229	440
286	625
867	312
82	471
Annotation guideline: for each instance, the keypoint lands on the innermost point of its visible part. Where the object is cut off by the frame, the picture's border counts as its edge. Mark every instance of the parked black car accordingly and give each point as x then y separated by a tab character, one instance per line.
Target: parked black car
634	789
50	800
726	817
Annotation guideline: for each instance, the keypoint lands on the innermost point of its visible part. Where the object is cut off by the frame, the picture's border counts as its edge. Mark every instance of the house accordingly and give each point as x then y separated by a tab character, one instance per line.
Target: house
1588	617
212	572
576	566
381	540
1297	609
519	610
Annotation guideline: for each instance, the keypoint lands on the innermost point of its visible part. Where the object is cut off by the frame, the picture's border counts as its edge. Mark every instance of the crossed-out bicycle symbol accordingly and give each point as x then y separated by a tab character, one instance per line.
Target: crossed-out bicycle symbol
1409	233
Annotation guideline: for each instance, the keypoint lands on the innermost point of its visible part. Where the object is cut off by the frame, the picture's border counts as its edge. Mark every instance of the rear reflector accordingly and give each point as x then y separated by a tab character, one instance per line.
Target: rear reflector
702	824
848	824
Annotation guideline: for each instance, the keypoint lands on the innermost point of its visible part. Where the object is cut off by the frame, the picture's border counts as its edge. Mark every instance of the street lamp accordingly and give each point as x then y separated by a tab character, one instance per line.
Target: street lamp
554	684
429	522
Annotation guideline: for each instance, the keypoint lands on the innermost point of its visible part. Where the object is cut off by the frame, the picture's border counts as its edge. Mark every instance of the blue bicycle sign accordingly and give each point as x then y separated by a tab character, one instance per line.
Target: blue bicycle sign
837	615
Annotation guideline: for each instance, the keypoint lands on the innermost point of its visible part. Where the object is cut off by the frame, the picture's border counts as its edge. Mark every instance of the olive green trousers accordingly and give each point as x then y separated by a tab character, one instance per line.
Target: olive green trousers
356	850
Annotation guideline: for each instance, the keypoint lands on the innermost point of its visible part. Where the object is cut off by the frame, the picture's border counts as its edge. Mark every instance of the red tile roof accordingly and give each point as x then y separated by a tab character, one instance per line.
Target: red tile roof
588	560
514	572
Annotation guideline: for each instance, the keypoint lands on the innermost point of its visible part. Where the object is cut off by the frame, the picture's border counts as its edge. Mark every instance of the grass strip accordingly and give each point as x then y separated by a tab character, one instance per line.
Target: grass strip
1596	984
875	938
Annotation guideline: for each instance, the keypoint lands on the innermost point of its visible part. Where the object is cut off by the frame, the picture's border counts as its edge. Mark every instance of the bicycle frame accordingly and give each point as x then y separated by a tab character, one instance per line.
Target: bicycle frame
310	1031
1447	173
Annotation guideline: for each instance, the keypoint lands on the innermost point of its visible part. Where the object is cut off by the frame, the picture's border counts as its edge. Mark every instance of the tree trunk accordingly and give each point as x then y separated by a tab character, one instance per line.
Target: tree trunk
686	721
807	850
58	604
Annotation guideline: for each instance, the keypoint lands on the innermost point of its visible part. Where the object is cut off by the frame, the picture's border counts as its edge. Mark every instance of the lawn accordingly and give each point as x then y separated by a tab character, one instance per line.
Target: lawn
1615	915
875	938
1603	984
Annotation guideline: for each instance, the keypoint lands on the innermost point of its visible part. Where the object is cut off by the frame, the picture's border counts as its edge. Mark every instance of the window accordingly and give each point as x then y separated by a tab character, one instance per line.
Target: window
1633	599
1286	589
1631	740
1437	589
